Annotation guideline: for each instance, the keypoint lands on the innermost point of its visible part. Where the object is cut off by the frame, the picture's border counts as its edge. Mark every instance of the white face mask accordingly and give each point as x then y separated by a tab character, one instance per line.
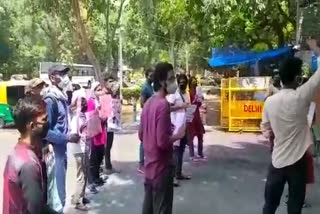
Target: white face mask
43	92
171	87
64	83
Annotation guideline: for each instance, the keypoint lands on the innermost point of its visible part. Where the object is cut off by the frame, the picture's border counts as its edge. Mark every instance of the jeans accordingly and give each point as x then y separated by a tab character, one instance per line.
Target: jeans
96	158
81	178
159	200
107	152
178	155
141	155
200	145
296	176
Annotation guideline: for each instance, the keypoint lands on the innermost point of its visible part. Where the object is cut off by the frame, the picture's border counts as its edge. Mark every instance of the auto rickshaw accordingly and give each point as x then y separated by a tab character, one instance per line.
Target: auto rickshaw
10	93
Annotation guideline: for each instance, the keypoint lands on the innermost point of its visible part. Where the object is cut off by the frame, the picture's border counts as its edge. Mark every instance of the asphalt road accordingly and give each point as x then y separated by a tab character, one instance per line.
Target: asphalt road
232	181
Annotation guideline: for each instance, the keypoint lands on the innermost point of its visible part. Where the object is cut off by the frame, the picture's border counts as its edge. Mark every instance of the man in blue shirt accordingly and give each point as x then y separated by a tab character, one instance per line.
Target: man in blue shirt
58	135
146	93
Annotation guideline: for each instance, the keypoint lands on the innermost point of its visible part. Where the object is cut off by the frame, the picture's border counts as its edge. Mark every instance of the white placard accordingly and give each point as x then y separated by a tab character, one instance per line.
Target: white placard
312	109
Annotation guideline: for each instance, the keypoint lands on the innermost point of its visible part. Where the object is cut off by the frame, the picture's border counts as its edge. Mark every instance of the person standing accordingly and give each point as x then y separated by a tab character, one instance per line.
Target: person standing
98	141
179	101
114	124
285	115
36	87
80	152
58	136
195	127
24	188
146	93
156	135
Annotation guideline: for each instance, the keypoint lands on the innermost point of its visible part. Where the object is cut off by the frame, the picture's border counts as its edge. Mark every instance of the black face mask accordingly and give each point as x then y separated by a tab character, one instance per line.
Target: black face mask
40	131
183	87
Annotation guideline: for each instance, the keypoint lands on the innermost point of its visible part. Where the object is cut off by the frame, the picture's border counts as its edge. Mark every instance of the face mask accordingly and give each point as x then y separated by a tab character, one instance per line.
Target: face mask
43	92
183	87
171	87
64	83
115	87
40	130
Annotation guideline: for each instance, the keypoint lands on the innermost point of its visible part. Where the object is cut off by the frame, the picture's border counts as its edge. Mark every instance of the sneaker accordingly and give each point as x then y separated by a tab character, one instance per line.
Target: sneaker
99	182
202	158
306	205
183	177
176	183
85	201
92	188
104	177
82	207
141	169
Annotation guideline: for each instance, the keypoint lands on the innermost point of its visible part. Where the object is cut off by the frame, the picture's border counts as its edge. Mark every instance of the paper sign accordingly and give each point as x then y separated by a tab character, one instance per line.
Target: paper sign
190	113
312	109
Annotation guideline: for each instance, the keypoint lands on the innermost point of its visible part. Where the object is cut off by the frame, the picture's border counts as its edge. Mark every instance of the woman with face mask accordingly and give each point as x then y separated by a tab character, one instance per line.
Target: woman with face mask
98	141
179	101
195	127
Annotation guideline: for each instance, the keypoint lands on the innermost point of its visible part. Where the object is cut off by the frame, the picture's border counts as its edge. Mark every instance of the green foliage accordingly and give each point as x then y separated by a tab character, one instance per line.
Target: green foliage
131	94
153	30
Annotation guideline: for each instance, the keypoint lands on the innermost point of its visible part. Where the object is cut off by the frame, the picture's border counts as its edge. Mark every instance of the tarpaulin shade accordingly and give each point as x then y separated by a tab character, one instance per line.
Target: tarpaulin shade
231	57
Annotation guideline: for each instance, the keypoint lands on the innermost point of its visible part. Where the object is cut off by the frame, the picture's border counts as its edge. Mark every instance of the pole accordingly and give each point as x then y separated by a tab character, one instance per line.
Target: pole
187	59
120	62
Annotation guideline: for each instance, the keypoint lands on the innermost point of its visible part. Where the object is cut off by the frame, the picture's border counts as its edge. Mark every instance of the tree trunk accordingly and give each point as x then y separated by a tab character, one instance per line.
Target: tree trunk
84	40
107	15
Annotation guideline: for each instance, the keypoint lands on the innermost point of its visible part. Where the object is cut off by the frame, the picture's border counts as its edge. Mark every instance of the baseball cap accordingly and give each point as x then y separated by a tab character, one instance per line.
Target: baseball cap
34	83
58	69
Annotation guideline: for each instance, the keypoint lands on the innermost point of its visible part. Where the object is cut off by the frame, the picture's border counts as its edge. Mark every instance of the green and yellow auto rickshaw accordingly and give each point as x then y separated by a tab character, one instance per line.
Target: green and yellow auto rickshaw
10	93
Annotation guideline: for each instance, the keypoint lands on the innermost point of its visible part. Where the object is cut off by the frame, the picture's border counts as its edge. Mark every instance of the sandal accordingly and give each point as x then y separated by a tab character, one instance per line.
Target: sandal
184	177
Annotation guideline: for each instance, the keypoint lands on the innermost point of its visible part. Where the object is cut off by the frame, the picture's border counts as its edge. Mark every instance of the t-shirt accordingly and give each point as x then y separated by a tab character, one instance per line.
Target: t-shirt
155	132
147	91
178	118
23	190
78	126
285	115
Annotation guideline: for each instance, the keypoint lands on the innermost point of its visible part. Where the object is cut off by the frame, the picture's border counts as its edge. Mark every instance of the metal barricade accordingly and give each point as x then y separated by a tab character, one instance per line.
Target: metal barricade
242	102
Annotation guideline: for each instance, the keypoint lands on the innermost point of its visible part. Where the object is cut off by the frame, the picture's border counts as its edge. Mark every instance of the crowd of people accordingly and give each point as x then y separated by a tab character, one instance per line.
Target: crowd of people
52	122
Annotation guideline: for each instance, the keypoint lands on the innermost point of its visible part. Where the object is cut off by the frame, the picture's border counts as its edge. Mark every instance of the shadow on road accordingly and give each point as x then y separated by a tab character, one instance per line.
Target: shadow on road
231	181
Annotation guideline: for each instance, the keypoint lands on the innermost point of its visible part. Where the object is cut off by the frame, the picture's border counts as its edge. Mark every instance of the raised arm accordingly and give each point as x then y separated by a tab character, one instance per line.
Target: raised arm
310	88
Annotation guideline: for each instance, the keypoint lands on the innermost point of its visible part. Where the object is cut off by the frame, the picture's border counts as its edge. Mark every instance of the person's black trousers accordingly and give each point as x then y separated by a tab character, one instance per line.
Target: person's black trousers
159	199
178	155
295	175
107	152
96	158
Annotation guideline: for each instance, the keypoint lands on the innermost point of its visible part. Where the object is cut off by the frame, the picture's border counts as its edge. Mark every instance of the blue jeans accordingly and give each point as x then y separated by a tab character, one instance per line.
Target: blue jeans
141	155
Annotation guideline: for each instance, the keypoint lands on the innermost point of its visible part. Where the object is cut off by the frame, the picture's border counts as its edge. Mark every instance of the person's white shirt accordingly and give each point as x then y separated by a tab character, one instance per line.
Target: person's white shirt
285	115
178	118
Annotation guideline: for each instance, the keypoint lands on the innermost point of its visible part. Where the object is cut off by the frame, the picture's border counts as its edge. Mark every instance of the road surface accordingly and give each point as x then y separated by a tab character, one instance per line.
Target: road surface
232	181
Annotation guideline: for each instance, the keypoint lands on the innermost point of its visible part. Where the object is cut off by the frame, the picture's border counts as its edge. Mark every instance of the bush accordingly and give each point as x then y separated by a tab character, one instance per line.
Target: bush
131	94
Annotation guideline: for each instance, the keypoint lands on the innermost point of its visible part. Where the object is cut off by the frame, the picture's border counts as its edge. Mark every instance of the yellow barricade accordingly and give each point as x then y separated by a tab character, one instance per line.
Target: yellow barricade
242	102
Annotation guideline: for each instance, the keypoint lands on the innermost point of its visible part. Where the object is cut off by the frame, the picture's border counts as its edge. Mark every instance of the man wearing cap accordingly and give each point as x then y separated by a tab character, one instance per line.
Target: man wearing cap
35	87
58	135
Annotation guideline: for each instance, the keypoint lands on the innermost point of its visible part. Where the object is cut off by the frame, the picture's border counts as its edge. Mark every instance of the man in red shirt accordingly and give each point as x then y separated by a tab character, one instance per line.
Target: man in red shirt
156	134
24	188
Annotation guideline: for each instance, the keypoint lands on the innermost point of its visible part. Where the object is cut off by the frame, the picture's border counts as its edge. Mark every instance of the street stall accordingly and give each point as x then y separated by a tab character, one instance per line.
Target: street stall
242	98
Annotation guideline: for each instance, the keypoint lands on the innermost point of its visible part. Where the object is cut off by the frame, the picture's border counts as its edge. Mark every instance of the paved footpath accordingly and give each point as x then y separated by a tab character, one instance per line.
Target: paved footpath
231	182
